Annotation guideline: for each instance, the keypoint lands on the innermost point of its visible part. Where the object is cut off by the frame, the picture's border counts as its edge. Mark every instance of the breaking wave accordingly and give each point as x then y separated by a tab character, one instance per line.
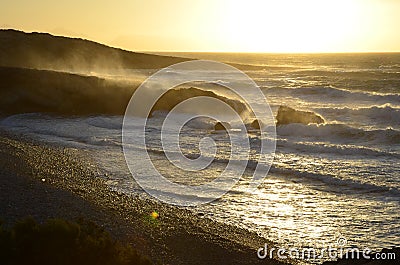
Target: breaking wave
334	94
339	133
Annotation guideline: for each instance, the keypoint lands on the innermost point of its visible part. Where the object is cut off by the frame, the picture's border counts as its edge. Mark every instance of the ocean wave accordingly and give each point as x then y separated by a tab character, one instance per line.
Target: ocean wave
333	93
99	141
335	184
327	182
381	114
106	122
94	131
335	149
339	133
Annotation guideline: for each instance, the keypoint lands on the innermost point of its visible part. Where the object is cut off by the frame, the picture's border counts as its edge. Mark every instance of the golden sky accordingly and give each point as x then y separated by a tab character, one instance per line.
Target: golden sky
216	25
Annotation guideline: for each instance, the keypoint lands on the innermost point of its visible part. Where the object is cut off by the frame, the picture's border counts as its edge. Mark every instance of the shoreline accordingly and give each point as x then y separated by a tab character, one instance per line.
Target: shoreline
45	181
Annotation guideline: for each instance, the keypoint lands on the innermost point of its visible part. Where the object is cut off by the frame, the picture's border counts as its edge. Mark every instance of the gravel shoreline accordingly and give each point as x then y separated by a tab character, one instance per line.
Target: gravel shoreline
45	181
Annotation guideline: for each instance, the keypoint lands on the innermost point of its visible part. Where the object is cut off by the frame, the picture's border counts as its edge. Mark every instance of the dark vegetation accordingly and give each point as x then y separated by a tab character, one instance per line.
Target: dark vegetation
59	242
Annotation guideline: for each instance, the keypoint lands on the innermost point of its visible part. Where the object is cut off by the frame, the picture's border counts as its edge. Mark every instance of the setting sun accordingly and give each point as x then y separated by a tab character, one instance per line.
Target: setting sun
290	26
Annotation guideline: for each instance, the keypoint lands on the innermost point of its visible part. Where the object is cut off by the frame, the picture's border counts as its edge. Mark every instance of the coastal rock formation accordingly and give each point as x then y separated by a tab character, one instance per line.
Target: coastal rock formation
54	74
29	90
222	126
287	115
256	124
177	95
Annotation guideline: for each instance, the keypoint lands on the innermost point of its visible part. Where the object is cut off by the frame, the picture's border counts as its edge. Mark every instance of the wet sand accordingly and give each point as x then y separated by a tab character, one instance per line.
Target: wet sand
45	181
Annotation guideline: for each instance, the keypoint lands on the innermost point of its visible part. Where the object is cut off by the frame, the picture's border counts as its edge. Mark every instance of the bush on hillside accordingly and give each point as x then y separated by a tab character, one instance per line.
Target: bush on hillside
59	242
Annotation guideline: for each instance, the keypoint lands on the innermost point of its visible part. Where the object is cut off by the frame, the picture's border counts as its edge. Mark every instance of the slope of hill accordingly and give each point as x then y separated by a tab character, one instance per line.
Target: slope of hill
45	51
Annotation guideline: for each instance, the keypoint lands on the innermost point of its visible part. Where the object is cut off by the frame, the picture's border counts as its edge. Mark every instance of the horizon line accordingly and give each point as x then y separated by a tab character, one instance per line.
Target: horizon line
267	52
204	51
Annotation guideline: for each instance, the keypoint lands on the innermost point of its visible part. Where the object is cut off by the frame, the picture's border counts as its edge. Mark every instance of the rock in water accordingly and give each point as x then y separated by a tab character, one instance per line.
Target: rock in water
222	126
256	124
287	115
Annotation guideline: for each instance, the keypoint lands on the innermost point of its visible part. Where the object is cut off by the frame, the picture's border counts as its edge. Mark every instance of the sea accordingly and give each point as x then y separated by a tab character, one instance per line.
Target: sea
331	181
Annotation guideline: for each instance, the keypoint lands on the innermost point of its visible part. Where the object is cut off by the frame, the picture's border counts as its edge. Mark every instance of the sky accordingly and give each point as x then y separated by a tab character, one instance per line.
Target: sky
216	25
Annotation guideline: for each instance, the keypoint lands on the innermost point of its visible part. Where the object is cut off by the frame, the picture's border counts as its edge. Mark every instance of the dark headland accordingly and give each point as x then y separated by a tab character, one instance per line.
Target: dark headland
44	73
